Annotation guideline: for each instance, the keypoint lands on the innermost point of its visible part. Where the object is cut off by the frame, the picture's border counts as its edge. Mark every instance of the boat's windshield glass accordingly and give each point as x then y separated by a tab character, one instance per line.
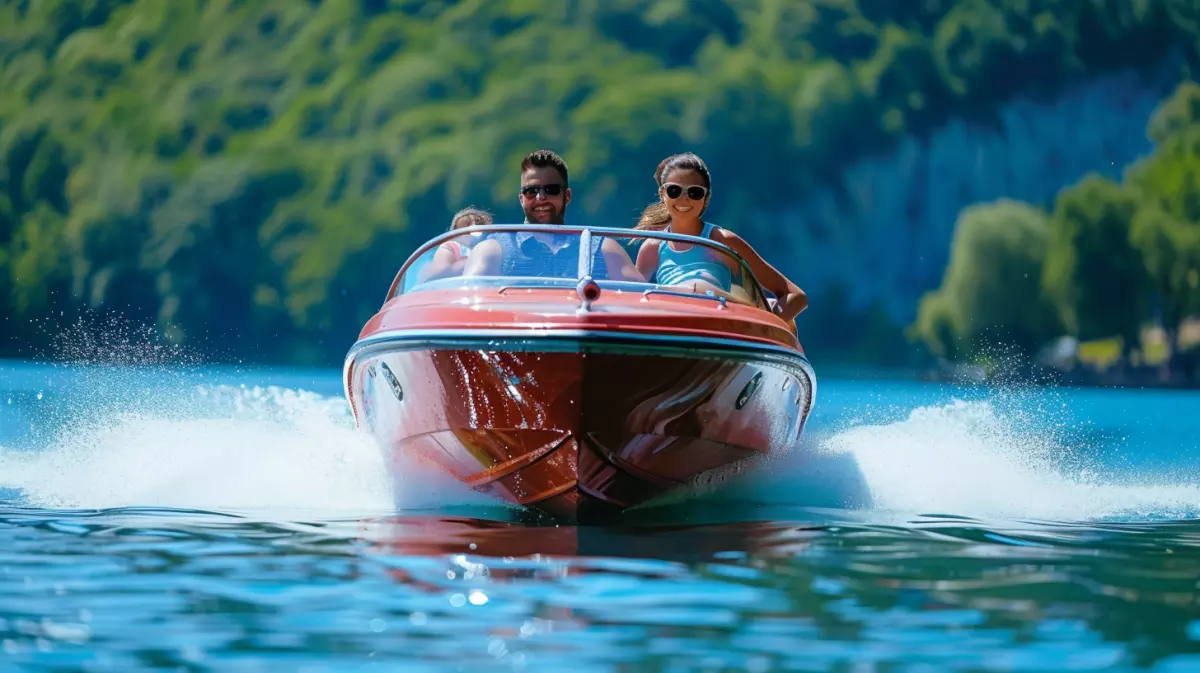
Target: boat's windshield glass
535	256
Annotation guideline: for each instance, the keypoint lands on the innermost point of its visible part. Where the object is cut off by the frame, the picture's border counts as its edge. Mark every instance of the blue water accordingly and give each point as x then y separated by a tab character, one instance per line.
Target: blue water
195	518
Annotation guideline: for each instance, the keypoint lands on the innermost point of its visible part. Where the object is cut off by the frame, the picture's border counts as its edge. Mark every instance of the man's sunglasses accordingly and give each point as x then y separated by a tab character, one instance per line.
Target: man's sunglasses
694	192
531	191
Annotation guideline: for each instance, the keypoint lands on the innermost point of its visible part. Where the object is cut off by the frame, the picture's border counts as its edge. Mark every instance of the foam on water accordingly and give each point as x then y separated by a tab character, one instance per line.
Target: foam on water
969	459
248	448
133	428
229	449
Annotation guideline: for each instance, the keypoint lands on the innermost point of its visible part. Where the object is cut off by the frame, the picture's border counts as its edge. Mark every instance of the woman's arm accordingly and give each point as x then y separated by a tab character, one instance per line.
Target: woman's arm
792	300
647	259
620	267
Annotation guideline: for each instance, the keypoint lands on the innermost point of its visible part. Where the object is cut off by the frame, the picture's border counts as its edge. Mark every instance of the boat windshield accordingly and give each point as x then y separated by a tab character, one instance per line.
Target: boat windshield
532	255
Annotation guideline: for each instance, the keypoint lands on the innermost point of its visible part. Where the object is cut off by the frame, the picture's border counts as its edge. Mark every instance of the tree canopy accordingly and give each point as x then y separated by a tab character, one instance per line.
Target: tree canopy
1116	256
992	291
248	175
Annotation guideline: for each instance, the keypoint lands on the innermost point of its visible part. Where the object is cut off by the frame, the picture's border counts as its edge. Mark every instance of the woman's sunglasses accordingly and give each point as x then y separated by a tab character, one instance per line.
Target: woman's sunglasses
694	192
531	191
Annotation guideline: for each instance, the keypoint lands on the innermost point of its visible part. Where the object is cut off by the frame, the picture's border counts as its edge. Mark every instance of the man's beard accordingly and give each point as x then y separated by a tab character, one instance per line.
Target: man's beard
556	217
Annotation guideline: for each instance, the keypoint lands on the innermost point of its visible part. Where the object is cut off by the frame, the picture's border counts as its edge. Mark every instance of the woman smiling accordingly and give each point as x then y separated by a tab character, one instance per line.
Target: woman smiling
684	190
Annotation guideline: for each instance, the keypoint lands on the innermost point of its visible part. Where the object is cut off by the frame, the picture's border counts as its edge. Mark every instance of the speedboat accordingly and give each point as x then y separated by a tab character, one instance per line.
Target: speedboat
578	396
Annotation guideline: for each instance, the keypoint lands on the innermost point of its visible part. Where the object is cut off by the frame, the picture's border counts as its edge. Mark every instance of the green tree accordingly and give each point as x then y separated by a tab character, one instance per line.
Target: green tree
992	291
1177	115
1092	271
255	168
1170	249
1166	228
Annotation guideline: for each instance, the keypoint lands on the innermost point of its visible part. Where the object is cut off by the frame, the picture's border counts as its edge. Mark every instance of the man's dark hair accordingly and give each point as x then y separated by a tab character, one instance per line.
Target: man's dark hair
543	158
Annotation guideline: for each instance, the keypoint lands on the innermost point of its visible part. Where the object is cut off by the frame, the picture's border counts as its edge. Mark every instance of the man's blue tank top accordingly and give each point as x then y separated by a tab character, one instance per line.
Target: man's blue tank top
696	263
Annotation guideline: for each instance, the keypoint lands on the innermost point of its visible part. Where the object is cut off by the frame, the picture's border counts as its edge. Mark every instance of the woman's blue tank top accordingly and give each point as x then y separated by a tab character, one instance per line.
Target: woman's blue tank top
696	263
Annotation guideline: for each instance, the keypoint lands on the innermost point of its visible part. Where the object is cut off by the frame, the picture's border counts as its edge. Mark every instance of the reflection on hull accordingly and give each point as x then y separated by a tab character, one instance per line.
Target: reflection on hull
580	430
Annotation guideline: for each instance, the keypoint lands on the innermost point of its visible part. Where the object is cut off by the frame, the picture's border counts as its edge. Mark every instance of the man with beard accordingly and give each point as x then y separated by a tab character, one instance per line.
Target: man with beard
545	193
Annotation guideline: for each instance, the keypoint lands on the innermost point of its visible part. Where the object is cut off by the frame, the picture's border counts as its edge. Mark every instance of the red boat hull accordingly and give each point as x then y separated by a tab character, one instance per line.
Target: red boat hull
577	411
580	428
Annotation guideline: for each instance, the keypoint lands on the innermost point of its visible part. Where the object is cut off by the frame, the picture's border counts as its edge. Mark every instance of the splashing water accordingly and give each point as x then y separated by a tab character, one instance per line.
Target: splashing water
234	449
127	425
968	459
238	448
144	434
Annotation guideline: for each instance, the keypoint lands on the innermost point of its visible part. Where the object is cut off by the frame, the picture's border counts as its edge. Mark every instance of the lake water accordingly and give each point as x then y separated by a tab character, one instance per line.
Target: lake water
217	519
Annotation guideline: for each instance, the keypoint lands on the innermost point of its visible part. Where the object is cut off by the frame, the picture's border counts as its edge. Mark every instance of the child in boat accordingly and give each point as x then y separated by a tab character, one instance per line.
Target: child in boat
451	257
684	190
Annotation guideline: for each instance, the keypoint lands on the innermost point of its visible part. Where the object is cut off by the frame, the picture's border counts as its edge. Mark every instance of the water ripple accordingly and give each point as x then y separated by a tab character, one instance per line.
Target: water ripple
122	588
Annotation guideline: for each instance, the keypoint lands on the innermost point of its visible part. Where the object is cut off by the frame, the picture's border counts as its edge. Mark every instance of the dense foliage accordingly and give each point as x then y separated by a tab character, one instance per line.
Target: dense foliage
992	291
1109	258
248	175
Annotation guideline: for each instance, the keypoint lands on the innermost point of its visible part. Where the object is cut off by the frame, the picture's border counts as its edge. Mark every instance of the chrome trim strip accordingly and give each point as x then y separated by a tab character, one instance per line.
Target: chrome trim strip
346	382
688	346
689	343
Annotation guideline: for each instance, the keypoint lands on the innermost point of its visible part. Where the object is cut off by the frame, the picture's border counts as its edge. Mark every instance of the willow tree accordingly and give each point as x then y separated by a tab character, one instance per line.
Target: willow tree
991	294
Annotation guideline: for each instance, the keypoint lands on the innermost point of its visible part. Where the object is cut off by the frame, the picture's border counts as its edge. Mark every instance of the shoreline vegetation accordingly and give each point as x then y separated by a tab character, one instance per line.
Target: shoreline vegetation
244	178
1103	286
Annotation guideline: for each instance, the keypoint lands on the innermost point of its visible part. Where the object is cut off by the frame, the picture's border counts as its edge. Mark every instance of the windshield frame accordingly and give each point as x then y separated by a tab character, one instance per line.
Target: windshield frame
585	261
